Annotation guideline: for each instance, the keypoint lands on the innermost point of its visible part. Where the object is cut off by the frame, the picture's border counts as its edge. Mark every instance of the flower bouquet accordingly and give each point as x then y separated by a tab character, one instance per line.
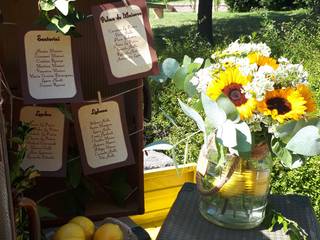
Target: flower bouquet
256	108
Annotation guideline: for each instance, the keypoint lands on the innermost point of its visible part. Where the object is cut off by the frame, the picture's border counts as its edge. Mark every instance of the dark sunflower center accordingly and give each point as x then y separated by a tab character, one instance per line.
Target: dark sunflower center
281	104
233	92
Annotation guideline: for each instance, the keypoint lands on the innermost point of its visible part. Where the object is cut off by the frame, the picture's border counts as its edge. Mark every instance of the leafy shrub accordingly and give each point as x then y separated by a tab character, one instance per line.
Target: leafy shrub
247	5
242	5
278	4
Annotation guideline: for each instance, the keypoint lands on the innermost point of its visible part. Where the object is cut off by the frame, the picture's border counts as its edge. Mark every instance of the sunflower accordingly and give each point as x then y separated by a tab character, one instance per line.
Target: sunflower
308	97
283	104
262	60
230	82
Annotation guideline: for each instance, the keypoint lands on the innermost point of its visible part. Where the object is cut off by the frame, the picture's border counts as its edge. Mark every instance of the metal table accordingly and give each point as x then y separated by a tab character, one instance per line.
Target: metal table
184	221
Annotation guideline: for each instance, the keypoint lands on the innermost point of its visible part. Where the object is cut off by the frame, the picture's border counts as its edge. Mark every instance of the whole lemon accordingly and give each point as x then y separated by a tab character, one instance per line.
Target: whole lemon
69	231
108	231
86	224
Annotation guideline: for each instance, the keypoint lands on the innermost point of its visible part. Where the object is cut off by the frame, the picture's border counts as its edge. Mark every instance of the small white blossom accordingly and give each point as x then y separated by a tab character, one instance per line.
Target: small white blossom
261	83
283	60
290	74
246	48
203	77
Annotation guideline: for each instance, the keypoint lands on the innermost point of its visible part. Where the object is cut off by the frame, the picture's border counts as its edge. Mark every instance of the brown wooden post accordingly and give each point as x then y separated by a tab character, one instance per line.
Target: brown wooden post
7	226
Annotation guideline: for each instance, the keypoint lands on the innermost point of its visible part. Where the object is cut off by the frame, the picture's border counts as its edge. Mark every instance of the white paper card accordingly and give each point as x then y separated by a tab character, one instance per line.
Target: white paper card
45	141
49	65
102	134
126	41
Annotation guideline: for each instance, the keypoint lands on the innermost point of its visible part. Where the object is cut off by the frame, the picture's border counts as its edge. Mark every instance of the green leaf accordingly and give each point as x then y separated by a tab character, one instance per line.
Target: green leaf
45	212
228	107
190	112
189	88
179	77
46	6
244	138
281	152
60	25
186	61
170	66
215	115
74	172
288	130
17	140
63	108
207	63
305	142
158	145
197	63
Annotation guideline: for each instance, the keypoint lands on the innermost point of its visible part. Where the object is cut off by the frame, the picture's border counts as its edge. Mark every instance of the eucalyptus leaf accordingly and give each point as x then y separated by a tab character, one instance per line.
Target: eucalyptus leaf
229	108
288	130
207	63
189	88
227	134
158	145
170	66
161	77
215	115
179	77
186	61
193	67
244	138
190	112
281	152
305	142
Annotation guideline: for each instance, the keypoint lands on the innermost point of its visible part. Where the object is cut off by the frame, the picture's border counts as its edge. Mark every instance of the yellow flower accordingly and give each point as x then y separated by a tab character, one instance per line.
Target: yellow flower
283	104
230	83
308	96
262	60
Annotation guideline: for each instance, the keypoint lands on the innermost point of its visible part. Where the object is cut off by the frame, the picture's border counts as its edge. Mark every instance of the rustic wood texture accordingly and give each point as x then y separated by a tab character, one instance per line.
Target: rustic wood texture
93	79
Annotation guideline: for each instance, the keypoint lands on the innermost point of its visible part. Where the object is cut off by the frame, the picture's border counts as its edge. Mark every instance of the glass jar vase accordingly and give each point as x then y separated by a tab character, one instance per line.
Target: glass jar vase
235	195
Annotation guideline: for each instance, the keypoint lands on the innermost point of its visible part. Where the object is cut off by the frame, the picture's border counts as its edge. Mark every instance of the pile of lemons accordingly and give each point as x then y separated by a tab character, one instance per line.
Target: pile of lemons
82	228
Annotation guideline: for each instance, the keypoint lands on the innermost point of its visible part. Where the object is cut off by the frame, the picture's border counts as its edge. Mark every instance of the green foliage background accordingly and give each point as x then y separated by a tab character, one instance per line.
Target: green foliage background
299	41
247	5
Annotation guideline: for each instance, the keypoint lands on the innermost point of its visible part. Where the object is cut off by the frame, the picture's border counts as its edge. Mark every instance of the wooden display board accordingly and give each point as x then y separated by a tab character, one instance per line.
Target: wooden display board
90	62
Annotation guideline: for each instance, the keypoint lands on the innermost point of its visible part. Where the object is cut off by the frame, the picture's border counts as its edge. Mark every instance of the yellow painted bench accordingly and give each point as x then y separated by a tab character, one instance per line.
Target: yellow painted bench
161	187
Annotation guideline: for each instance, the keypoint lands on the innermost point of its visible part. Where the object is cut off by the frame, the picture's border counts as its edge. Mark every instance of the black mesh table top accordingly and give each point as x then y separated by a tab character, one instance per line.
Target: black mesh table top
184	221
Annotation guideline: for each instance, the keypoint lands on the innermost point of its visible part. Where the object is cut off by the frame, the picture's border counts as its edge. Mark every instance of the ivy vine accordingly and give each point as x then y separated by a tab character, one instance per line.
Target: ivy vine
59	15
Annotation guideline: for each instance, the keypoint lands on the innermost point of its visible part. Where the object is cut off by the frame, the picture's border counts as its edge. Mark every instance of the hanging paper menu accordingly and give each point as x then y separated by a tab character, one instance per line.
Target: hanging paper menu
103	136
45	143
125	34
49	70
